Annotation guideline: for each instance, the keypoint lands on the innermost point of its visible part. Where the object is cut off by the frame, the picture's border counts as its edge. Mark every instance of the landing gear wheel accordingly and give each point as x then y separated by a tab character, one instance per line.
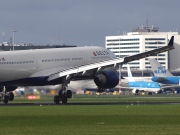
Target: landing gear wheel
11	96
5	100
69	94
64	100
56	99
137	92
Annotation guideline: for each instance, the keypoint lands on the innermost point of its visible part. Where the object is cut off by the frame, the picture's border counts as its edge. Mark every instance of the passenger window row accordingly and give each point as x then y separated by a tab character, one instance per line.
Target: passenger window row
17	62
64	59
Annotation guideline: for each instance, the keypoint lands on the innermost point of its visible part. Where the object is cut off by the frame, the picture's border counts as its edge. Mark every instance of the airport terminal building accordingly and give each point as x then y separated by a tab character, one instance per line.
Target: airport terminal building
144	39
9	47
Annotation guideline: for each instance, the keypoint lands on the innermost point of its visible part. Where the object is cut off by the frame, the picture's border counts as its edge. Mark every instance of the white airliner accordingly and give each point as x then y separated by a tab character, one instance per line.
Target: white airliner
141	86
60	66
162	75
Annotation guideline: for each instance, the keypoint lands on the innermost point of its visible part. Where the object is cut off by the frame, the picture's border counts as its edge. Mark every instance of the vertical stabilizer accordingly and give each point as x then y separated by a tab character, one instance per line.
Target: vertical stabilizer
130	78
158	69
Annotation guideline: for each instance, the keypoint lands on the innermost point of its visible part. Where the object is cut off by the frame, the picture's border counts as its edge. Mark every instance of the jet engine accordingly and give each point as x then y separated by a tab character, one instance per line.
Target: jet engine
135	91
107	79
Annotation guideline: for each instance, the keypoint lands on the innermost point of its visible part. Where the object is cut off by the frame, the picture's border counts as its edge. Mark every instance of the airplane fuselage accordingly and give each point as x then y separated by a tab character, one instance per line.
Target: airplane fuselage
145	86
30	67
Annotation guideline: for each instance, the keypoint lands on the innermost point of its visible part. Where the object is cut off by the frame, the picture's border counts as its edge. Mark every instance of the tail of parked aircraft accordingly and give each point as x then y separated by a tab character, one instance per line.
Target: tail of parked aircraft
130	78
158	69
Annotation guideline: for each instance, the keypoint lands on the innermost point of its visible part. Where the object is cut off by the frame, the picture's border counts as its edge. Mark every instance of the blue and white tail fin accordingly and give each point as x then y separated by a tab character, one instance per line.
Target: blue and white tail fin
158	69
130	78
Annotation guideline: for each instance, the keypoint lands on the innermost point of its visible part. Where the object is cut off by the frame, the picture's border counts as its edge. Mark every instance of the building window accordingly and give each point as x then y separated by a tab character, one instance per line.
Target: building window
161	54
134	63
113	44
150	47
135	47
115	40
155	43
147	66
154	38
129	52
135	39
110	40
135	43
161	59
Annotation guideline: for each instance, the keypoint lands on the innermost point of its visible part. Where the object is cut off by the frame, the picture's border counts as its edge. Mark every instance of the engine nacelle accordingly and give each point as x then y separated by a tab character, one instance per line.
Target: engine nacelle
135	91
10	88
107	79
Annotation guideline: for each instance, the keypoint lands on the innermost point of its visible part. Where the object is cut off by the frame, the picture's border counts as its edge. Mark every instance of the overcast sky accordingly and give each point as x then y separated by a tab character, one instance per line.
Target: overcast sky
82	22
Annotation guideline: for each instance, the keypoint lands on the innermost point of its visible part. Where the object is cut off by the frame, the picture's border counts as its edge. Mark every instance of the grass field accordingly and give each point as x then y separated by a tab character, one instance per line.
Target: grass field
90	120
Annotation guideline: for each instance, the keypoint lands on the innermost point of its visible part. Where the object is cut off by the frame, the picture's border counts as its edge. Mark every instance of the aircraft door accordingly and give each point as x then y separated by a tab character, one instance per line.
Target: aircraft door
36	62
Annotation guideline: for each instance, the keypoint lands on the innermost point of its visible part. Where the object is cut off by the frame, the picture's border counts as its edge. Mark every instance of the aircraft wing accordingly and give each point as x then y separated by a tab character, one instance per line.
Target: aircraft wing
170	86
83	68
97	66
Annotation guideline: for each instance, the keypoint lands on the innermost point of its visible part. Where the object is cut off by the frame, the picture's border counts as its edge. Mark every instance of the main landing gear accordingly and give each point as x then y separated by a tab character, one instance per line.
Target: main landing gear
6	96
63	96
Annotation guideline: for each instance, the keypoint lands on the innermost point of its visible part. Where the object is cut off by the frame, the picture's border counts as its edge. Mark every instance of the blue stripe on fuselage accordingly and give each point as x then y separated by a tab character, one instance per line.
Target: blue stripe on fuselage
144	84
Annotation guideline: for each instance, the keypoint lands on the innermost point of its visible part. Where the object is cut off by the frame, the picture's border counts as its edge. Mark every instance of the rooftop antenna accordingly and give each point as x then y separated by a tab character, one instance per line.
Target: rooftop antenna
13	31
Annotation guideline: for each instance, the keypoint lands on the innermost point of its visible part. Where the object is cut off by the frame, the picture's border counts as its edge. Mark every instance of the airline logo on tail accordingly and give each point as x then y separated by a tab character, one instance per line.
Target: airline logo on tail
160	70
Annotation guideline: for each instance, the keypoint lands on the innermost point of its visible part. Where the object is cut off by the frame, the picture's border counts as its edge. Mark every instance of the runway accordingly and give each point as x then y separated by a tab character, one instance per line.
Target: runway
85	103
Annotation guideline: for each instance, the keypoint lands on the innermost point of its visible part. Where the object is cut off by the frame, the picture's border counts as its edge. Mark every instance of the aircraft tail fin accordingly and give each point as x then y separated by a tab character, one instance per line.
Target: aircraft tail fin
130	78
158	69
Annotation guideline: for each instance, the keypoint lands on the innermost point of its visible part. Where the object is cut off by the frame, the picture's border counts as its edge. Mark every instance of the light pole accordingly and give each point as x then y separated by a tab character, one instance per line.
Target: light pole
13	38
119	69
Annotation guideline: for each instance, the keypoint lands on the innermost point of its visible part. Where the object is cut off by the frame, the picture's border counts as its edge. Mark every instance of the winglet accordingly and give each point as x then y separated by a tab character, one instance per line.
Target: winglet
171	42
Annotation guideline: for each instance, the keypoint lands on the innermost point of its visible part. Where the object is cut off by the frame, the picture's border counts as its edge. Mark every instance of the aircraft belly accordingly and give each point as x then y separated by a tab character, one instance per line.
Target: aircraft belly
8	75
